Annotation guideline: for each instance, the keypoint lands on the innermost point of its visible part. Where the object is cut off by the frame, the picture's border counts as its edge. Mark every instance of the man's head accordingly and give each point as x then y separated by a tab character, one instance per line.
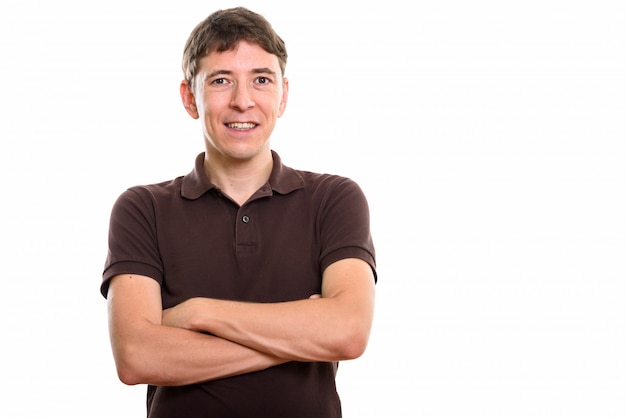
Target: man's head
223	30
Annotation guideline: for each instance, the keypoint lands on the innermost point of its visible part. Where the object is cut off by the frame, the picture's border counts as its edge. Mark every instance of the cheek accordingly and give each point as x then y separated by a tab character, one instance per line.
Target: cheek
210	112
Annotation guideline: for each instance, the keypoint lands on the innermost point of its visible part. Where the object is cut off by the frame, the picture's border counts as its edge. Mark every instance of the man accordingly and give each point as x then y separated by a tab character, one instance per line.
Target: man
234	291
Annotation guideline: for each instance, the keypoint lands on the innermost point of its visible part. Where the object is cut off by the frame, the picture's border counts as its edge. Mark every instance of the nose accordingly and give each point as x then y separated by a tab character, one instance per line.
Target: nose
242	98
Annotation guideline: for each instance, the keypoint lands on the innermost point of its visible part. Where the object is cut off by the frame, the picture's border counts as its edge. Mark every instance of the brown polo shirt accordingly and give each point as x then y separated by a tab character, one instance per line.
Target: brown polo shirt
195	241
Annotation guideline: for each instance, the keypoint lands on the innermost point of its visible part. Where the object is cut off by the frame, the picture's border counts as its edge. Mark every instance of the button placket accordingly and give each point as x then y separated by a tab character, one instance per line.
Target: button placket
245	230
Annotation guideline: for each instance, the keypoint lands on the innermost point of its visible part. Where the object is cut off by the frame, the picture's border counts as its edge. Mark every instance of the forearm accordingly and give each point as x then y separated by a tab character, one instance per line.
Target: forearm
150	352
331	328
306	330
168	356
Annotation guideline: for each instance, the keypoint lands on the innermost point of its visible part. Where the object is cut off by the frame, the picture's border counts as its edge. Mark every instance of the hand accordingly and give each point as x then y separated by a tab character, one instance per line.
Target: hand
180	315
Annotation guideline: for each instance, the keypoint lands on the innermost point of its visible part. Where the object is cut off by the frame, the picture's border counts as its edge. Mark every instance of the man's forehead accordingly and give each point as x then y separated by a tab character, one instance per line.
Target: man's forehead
245	56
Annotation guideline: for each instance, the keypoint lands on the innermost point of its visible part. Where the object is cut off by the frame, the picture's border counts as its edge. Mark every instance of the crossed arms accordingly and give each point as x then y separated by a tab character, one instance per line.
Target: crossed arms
204	339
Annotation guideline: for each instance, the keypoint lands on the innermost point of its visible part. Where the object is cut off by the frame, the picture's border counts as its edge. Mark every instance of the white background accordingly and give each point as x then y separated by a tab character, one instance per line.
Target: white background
489	137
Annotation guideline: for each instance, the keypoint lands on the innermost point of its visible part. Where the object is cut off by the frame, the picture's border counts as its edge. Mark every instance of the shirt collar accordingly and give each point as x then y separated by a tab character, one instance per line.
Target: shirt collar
283	179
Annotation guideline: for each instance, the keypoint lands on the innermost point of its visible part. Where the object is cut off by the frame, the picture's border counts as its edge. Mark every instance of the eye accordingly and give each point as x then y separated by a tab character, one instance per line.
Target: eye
219	81
263	80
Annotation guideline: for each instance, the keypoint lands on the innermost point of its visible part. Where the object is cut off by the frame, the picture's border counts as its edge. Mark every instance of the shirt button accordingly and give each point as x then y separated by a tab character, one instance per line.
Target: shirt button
245	219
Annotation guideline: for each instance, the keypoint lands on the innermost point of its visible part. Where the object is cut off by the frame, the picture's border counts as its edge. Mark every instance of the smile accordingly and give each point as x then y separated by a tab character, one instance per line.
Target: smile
241	126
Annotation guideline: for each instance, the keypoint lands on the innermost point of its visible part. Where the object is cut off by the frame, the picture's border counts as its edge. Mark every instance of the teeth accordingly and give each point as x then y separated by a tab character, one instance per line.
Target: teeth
242	126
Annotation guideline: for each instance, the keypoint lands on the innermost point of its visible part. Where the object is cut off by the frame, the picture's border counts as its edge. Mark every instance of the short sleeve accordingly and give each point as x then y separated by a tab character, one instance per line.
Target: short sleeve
344	224
132	239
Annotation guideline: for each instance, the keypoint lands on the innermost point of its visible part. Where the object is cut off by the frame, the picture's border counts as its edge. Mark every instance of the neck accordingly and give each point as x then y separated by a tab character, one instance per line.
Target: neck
238	179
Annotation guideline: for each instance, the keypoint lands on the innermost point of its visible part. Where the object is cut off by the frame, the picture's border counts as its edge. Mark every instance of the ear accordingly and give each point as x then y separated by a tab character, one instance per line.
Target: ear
188	98
283	100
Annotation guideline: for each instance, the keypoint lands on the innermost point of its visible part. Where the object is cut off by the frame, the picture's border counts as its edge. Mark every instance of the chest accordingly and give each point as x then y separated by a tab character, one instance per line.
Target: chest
257	252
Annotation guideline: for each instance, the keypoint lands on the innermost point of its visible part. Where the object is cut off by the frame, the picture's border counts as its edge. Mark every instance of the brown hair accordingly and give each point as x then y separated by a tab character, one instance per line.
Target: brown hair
223	30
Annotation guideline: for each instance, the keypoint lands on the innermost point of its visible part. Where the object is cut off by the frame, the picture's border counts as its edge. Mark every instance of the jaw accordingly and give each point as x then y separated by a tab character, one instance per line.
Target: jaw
238	147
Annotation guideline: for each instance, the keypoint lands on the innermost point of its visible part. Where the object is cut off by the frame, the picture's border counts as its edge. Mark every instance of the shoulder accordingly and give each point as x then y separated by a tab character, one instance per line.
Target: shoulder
150	194
324	185
326	181
286	179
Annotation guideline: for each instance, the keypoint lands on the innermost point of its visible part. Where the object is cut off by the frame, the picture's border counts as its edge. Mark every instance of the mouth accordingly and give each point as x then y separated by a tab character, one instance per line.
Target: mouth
241	126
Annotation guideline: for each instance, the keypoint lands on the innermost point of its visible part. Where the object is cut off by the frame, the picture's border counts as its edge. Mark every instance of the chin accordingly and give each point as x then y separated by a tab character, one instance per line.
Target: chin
244	153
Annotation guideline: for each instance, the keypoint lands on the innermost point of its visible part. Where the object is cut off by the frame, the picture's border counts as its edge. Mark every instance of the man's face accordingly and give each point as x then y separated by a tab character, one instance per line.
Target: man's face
239	94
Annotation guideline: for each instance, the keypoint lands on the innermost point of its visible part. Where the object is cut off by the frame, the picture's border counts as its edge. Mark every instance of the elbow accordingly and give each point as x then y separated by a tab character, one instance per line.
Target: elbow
354	349
355	332
128	376
129	368
352	344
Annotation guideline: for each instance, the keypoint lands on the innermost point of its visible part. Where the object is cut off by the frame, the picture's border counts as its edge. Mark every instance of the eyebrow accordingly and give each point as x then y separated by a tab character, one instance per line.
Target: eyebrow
263	70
